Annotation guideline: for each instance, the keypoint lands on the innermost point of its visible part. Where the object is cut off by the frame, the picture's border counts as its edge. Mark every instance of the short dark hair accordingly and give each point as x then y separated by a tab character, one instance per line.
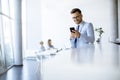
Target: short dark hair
49	39
75	10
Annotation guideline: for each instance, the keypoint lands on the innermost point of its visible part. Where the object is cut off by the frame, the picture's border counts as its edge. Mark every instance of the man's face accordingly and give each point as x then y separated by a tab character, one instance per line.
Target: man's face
77	17
49	42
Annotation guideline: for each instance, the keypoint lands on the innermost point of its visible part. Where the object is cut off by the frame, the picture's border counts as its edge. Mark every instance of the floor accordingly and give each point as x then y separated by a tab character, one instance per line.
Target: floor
26	72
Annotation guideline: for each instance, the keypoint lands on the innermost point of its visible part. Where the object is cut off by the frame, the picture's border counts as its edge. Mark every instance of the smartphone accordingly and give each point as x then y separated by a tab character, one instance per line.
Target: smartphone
72	28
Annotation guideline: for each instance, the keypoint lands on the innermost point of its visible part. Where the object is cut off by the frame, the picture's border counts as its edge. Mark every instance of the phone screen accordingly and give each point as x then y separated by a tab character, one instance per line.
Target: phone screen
72	28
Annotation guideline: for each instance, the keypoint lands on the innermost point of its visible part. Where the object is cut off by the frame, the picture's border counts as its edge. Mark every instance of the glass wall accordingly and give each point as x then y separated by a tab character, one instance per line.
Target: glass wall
2	61
6	26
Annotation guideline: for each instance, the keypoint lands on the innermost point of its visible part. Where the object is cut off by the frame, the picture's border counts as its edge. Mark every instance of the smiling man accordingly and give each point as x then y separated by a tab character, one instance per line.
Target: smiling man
84	31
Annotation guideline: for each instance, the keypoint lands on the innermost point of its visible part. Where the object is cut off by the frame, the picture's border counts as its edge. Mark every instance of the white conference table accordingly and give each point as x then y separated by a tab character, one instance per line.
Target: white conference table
91	62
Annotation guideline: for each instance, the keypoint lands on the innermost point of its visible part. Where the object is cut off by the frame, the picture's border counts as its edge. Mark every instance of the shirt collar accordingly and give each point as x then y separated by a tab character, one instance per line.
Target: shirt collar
81	23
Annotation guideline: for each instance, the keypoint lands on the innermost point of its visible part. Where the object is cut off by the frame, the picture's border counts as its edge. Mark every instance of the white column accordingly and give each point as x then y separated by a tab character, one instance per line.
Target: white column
18	60
114	18
119	18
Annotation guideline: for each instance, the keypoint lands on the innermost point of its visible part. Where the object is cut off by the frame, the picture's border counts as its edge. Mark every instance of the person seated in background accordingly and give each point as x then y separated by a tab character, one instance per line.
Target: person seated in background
50	46
42	48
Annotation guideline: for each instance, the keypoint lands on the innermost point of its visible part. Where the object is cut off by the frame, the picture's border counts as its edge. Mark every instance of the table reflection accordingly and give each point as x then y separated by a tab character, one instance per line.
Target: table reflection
83	55
100	55
114	52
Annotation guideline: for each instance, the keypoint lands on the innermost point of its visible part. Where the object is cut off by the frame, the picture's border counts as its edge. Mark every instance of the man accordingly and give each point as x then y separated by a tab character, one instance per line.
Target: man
50	46
42	48
84	32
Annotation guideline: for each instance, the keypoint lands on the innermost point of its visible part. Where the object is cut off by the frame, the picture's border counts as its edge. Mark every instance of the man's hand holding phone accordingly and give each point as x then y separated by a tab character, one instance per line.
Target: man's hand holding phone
72	29
74	33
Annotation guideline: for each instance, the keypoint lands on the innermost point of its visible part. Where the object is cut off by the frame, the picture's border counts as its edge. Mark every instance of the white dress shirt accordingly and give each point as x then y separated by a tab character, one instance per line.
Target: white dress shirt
87	35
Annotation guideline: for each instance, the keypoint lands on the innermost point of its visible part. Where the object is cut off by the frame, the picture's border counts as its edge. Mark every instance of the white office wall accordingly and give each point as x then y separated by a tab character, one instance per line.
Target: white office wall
33	23
51	19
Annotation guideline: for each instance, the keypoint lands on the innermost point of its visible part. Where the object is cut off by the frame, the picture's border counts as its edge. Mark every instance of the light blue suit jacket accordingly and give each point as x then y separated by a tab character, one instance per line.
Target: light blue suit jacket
86	37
